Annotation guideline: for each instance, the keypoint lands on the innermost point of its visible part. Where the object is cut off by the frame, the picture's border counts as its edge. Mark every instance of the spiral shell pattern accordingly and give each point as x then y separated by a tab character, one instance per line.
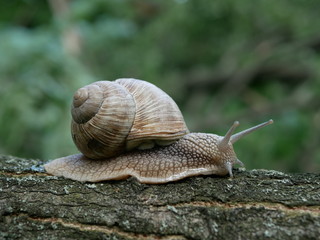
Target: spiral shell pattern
111	117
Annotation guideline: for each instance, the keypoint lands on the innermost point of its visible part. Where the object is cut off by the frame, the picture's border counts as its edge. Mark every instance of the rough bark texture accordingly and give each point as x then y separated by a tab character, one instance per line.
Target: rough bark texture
256	204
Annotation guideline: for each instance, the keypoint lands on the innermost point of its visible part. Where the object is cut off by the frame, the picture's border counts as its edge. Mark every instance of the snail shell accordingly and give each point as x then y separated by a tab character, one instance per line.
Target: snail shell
109	118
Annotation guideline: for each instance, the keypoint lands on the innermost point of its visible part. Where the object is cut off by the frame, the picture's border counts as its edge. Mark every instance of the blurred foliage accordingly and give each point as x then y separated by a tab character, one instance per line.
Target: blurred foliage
220	60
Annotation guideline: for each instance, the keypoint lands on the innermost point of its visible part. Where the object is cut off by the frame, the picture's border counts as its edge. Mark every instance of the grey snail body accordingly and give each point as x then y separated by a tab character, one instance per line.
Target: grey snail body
155	159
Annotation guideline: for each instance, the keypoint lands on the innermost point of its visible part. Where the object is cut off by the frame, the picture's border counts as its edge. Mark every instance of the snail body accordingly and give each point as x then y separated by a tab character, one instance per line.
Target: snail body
153	158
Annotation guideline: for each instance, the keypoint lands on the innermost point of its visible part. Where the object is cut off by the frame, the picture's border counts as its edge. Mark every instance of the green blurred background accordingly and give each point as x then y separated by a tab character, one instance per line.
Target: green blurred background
220	60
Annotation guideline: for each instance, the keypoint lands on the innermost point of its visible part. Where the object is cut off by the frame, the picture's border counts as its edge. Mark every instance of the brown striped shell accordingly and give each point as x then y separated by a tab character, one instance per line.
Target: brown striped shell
111	117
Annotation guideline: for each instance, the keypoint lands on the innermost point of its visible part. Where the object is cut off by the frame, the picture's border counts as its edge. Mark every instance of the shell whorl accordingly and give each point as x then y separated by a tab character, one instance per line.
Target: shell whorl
112	117
86	103
103	120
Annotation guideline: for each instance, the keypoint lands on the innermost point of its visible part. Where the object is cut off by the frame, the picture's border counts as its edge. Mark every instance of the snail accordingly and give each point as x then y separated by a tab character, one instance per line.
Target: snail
130	127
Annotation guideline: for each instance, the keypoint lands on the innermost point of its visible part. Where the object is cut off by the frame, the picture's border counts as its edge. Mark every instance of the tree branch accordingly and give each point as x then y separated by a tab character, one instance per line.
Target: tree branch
256	204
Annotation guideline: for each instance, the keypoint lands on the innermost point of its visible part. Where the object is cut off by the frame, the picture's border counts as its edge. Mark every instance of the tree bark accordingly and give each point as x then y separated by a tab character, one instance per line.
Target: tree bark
256	204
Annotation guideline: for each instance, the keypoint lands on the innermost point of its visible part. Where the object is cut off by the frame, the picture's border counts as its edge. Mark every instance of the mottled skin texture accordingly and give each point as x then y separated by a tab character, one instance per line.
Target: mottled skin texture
194	154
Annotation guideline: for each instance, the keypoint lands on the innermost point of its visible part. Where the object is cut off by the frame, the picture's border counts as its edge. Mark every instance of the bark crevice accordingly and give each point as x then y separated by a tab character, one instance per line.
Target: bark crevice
256	204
